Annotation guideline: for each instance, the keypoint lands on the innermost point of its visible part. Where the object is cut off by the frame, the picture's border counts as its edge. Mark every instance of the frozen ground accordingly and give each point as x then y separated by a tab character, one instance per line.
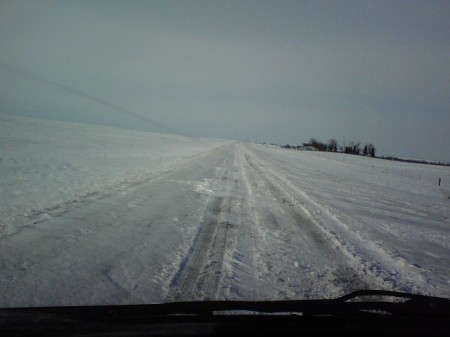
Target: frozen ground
95	215
46	165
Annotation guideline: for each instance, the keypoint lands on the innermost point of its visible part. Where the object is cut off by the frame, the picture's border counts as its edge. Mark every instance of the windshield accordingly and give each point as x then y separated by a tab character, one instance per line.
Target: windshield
165	151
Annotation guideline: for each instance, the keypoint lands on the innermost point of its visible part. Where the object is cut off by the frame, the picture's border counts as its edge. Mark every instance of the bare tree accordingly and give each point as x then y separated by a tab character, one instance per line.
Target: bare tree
332	145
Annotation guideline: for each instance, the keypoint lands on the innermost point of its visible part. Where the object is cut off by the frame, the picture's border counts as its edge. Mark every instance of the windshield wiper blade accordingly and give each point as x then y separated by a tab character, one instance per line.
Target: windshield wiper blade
411	305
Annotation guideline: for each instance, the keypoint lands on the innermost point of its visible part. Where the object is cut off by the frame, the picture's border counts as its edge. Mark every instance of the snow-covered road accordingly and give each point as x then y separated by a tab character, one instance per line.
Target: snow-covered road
238	221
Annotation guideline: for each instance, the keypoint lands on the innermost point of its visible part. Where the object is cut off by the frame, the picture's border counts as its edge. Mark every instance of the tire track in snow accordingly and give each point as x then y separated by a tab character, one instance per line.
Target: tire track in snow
373	264
301	254
302	222
201	271
242	253
35	217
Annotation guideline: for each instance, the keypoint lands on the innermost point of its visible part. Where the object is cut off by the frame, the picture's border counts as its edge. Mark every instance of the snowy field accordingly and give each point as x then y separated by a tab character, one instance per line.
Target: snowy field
47	164
98	215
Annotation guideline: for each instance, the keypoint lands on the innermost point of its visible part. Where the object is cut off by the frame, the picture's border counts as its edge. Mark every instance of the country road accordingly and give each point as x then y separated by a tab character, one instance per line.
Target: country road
176	151
231	223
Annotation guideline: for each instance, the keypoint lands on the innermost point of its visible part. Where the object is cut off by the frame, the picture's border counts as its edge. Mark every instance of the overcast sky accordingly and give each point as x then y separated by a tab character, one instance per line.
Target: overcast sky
266	71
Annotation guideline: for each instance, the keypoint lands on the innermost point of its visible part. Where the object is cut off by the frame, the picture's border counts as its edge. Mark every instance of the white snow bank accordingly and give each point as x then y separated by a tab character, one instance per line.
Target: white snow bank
46	163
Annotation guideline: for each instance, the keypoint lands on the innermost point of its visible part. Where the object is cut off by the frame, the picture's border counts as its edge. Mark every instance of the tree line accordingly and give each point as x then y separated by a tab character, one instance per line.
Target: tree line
350	147
333	145
355	148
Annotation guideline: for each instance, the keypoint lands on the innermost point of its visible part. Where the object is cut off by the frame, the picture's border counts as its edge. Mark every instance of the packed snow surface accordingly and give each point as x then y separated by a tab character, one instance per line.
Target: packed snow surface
99	215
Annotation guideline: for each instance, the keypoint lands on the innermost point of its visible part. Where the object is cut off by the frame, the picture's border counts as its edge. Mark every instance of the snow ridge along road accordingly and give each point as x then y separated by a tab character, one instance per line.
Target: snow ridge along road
240	221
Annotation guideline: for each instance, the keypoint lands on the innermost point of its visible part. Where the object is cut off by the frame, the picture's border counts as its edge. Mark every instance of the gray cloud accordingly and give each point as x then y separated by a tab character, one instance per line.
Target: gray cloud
259	70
